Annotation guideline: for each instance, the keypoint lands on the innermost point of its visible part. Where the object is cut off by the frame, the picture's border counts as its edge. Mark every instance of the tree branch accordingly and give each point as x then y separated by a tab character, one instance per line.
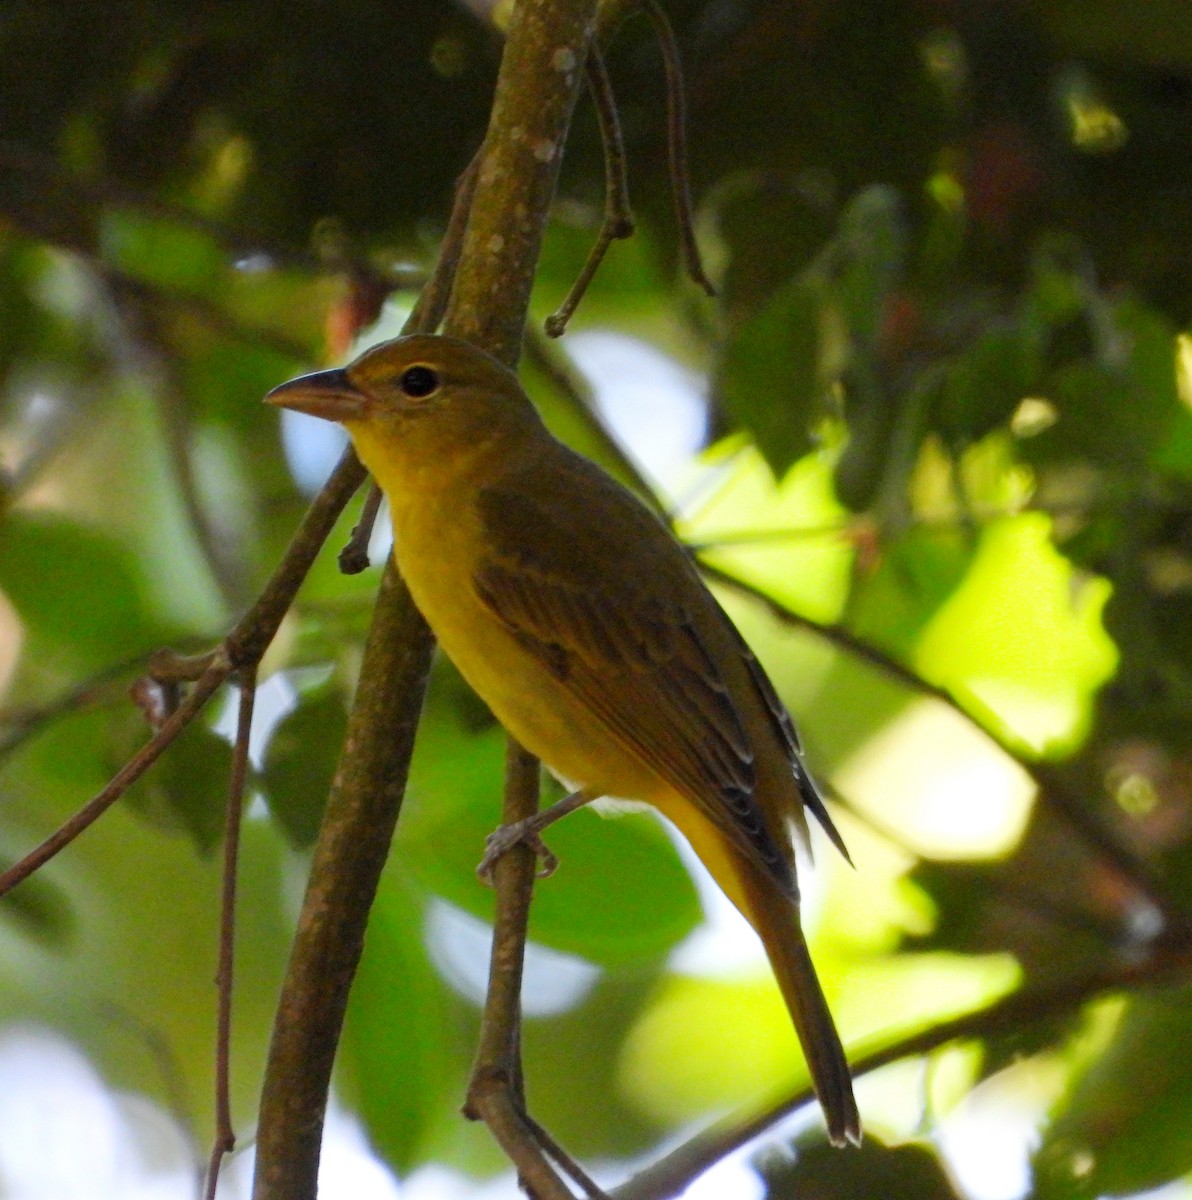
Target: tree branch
353	844
225	1134
495	1093
541	71
535	95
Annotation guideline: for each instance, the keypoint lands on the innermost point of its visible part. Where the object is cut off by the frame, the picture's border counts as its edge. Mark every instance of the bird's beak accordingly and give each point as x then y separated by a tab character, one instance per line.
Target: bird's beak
327	394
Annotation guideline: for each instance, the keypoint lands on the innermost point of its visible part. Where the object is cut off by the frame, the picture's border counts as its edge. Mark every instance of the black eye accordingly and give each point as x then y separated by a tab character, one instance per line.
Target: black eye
418	382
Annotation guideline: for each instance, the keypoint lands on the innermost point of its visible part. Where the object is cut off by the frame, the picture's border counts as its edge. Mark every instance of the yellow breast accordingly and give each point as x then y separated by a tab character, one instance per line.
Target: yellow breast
437	546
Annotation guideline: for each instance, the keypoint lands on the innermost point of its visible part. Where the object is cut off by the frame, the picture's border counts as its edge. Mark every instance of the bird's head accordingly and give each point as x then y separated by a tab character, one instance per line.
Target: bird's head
415	405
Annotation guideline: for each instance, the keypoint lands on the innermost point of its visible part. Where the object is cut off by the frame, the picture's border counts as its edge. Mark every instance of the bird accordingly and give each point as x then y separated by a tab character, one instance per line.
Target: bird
572	610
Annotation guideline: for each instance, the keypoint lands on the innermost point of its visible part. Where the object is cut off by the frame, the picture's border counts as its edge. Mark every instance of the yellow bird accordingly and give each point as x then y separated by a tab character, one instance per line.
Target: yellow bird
583	624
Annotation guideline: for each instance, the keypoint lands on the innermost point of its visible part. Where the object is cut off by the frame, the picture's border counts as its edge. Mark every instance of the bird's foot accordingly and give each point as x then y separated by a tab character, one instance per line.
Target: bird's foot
504	838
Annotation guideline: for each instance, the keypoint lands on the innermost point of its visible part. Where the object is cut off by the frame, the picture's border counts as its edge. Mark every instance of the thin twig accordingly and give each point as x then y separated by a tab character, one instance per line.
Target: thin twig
617	220
1047	779
121	781
243	647
225	1134
353	558
676	143
669	1176
168	666
494	1090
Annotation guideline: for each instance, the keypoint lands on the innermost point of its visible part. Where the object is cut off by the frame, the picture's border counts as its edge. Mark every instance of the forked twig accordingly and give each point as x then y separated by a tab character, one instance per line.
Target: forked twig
617	220
128	774
494	1093
243	647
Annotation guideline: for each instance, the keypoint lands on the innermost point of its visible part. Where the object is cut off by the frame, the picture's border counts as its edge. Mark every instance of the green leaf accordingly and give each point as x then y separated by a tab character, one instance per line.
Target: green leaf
621	895
300	762
78	591
1118	406
769	229
402	1055
867	259
1126	1125
984	386
770	376
187	787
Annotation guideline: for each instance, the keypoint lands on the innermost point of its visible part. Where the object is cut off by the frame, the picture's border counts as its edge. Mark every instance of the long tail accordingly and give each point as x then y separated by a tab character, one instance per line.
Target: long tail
775	916
776	920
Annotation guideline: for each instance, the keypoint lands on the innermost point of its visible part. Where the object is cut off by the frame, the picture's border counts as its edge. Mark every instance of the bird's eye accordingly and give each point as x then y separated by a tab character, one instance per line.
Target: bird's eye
418	382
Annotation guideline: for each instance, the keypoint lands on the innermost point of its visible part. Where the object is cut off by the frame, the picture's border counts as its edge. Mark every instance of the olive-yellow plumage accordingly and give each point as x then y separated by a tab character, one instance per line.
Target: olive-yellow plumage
570	608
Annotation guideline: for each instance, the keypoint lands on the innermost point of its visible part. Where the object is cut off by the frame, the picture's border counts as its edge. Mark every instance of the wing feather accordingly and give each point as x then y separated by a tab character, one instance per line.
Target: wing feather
670	705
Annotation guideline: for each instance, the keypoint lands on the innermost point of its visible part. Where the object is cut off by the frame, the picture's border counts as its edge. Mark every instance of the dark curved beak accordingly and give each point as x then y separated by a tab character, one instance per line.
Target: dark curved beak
327	394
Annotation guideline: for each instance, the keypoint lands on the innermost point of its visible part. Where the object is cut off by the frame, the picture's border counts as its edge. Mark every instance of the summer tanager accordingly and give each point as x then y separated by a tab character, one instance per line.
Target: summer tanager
573	612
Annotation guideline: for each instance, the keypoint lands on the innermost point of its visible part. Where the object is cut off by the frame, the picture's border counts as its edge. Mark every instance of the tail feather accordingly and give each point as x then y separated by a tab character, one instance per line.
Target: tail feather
775	916
777	922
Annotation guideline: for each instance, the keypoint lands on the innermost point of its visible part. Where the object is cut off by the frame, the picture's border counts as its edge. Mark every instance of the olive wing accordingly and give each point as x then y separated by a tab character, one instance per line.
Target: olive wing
617	626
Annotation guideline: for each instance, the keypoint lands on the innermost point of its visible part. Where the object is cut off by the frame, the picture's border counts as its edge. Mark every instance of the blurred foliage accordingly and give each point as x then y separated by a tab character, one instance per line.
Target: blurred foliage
876	1170
948	496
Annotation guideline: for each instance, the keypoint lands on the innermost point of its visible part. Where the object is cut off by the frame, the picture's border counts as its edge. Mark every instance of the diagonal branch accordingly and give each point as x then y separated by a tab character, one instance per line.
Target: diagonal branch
671	1175
1052	788
243	647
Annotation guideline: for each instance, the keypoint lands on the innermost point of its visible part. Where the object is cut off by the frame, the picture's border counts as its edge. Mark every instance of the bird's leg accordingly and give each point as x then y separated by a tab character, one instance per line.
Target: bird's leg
528	833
